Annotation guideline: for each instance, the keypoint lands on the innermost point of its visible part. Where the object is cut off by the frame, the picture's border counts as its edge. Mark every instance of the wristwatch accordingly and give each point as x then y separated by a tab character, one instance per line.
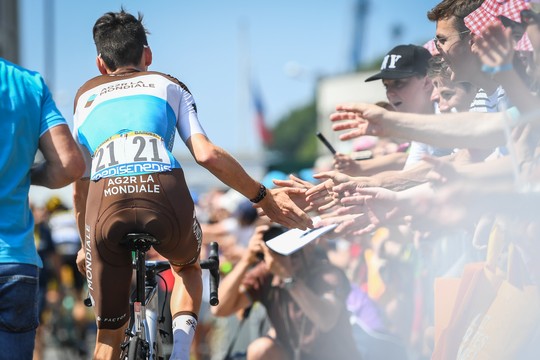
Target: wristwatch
288	283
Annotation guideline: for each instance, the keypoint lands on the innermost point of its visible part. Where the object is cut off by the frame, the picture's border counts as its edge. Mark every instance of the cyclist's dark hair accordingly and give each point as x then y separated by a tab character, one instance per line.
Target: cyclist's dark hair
456	10
120	39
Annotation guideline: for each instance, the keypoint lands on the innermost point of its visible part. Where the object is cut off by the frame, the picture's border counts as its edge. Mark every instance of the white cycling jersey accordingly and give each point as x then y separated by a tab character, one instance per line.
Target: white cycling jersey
126	124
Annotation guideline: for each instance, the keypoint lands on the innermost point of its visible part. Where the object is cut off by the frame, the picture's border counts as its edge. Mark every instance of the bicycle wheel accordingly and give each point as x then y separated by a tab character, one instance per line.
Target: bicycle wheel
137	349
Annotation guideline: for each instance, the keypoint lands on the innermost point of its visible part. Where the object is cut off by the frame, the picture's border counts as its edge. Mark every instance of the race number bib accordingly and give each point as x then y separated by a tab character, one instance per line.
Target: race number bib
130	154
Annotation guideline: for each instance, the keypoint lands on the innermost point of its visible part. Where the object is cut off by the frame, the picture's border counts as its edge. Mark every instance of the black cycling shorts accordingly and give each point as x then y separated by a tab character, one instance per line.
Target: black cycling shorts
158	204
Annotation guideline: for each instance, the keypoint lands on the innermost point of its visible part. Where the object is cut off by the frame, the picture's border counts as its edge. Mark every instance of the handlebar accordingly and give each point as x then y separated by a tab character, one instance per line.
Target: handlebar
212	265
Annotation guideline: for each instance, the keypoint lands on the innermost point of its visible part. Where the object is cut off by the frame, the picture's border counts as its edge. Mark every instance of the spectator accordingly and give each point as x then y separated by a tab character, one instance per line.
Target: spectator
65	236
447	94
455	44
30	122
304	296
49	272
408	88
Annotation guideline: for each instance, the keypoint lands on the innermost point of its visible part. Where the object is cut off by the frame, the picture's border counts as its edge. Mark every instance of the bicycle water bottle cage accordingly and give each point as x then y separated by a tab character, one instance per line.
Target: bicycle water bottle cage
139	241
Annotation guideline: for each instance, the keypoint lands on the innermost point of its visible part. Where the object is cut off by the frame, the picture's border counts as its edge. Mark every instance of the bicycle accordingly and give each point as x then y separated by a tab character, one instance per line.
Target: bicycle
143	337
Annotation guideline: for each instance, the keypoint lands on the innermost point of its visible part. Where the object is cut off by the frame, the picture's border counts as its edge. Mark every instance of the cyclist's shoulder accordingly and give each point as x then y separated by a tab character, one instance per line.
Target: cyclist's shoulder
90	84
168	77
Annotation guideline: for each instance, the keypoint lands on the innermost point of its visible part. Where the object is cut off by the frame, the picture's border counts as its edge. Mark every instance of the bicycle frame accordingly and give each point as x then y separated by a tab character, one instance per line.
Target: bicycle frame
144	308
143	338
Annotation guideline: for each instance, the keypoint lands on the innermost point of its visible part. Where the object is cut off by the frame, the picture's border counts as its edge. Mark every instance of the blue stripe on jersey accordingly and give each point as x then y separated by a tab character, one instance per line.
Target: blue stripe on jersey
128	113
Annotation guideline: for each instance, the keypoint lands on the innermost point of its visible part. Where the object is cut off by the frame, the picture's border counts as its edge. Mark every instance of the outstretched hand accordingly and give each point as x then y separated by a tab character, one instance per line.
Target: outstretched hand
346	164
443	171
350	220
256	244
379	204
280	208
322	196
359	119
496	45
296	188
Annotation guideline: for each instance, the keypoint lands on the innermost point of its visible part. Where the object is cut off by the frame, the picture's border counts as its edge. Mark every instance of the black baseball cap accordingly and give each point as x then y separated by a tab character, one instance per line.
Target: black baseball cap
403	61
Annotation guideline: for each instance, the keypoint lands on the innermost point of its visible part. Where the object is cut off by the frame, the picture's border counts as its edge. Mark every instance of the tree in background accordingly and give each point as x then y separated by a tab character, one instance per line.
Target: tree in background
294	145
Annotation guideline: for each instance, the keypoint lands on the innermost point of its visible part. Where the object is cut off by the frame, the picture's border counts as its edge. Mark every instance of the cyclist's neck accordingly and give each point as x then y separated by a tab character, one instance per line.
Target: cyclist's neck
125	71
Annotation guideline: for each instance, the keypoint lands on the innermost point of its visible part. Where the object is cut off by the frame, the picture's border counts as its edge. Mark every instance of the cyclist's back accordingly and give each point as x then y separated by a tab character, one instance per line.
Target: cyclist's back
128	121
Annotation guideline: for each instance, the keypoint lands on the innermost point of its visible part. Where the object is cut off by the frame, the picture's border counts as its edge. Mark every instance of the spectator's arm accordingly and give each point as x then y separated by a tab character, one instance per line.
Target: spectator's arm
322	309
339	185
401	180
461	130
368	167
294	183
63	160
496	50
233	297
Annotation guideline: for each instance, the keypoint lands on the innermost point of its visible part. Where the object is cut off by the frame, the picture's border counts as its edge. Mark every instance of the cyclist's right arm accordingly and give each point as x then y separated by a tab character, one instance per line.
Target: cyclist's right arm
277	205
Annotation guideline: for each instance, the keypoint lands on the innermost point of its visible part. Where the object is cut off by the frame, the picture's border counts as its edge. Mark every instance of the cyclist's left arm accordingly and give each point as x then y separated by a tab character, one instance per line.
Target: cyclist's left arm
80	193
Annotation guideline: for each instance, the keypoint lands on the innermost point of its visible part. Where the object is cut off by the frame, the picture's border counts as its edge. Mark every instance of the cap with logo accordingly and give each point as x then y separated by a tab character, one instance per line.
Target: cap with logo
403	61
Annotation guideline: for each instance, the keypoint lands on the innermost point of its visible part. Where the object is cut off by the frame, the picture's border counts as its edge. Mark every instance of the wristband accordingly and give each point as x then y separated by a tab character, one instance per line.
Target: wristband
261	195
496	69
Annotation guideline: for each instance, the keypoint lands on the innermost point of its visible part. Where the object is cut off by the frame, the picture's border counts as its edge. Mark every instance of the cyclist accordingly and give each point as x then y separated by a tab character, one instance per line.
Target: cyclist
125	123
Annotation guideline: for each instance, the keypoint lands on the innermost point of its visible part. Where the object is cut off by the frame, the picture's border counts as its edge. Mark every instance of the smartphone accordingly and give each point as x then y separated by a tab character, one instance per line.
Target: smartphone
326	142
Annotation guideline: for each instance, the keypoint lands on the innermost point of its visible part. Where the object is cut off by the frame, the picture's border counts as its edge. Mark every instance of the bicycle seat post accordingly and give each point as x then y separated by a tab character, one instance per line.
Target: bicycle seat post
140	243
140	265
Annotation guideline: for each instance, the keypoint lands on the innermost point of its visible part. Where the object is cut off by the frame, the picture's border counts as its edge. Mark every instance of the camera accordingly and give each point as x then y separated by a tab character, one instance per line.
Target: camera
272	232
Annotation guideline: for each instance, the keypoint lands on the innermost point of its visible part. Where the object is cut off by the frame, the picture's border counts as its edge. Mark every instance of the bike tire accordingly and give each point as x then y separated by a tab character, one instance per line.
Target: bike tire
137	349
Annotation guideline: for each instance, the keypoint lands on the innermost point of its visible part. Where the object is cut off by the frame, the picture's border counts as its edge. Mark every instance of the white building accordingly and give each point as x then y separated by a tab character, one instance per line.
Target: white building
341	89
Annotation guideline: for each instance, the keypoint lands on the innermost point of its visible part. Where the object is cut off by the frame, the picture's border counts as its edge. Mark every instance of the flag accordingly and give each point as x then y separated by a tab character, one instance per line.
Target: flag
264	133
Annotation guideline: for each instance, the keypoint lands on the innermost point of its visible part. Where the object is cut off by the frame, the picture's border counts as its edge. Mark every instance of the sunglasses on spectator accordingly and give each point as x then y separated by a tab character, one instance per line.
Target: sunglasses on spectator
438	41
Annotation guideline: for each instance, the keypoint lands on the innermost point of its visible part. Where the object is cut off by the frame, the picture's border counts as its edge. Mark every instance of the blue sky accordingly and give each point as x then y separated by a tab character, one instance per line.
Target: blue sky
202	44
